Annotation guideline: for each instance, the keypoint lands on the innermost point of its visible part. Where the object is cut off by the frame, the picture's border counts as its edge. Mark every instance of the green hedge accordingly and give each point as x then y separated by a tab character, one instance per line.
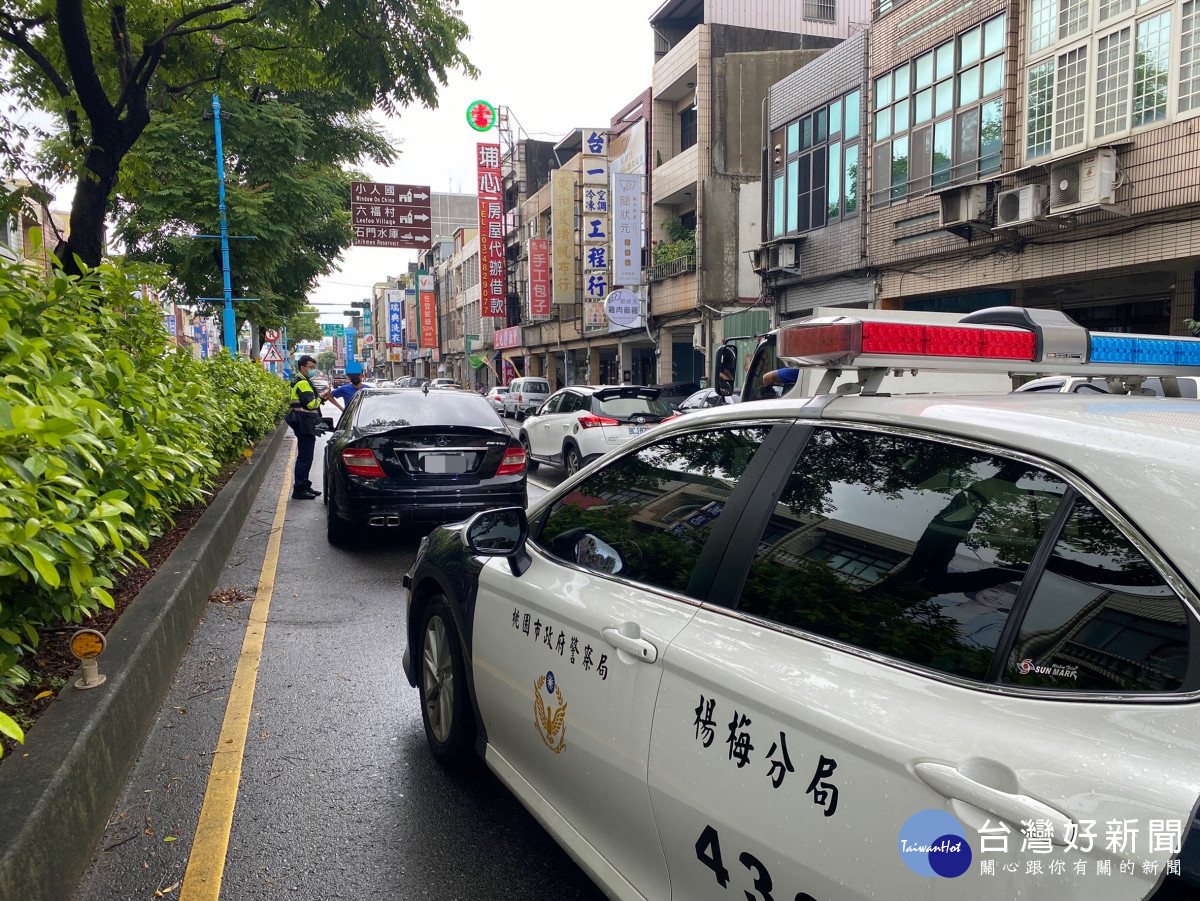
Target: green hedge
105	431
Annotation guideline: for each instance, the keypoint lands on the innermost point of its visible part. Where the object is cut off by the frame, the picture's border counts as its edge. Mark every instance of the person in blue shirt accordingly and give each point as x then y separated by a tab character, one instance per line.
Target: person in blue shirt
346	392
784	378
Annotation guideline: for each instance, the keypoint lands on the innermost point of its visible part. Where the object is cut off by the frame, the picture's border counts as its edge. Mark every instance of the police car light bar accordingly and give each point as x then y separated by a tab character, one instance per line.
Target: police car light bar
1019	340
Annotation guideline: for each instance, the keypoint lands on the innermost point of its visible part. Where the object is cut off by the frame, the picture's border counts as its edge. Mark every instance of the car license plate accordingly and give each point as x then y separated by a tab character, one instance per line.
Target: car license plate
443	464
637	430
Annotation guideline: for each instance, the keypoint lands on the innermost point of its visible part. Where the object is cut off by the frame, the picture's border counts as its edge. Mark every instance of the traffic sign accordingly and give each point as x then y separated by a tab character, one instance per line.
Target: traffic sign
391	215
271	335
369	340
271	354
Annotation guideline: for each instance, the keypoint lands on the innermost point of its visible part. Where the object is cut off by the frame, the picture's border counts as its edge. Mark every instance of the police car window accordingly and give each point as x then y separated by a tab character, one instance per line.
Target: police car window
1102	617
647	515
901	546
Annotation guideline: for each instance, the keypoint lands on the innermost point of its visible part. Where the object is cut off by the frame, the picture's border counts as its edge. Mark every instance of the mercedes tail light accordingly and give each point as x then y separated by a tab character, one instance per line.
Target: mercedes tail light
513	462
361	461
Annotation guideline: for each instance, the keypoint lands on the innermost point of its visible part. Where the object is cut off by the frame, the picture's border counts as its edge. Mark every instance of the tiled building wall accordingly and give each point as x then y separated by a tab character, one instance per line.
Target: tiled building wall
837	247
894	232
1082	257
673	295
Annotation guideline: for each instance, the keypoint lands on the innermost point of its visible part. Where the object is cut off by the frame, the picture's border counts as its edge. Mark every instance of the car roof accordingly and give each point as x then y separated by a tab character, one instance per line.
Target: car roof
1140	452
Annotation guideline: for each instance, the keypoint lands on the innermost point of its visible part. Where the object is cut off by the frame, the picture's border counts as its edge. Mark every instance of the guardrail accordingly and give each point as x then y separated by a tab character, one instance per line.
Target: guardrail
670	269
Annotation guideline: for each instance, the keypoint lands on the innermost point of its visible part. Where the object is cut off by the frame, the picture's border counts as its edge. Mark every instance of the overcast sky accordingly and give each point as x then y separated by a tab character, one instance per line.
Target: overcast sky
557	66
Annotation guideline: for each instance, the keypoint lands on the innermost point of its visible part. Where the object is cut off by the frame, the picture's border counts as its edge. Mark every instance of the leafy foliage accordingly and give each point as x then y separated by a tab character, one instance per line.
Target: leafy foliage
682	242
105	431
287	186
106	70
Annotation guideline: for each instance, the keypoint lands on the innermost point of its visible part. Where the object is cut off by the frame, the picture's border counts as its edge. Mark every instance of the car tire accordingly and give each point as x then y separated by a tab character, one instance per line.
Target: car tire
442	684
572	459
531	464
337	530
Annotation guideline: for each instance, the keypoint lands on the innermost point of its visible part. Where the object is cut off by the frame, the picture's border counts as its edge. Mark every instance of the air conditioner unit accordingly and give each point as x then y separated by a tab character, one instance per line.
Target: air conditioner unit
1084	182
774	258
964	206
1022	205
758	259
785	256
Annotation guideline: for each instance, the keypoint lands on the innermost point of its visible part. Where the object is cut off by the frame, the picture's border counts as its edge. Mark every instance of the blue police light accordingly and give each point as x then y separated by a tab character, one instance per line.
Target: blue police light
1152	351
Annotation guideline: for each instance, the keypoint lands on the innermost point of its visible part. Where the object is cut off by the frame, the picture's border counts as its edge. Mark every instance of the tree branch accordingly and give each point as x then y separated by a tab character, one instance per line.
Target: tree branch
152	53
120	38
72	33
15	33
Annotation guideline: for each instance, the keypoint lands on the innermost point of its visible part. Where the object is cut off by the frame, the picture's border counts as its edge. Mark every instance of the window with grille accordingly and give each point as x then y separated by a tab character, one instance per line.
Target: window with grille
939	115
820	10
1189	57
1095	72
814	167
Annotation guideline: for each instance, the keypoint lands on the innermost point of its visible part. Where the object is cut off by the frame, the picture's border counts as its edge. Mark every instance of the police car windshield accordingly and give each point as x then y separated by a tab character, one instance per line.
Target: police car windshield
404	409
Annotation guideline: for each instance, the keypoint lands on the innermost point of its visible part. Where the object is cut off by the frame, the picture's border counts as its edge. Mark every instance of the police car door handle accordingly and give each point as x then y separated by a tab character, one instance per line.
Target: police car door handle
634	646
1014	808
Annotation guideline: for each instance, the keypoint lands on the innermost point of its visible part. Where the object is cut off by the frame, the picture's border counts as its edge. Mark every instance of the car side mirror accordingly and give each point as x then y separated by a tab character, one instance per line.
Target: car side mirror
325	425
499	533
726	360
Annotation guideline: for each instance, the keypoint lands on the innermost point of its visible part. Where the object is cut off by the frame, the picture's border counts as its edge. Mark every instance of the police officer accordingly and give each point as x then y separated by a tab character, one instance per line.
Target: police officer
303	417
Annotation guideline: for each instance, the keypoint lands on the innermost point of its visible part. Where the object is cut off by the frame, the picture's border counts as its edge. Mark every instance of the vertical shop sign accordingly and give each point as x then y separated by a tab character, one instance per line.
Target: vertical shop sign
627	229
562	230
395	302
425	298
595	228
491	231
410	318
539	277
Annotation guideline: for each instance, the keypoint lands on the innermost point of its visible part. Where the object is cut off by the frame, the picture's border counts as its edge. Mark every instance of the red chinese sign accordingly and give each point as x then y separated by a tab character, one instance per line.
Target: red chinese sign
539	277
491	231
428	308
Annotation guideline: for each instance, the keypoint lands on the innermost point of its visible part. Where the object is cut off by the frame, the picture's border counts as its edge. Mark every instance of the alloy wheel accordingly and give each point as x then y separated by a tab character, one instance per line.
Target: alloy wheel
438	679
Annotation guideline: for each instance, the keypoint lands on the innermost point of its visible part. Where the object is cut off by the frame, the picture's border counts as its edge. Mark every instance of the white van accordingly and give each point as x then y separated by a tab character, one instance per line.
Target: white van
525	395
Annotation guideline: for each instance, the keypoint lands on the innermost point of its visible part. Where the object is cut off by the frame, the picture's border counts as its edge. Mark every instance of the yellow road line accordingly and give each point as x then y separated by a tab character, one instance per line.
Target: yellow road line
206	863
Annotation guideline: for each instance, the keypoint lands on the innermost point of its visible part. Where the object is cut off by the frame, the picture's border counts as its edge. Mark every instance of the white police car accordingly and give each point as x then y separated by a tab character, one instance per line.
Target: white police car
849	647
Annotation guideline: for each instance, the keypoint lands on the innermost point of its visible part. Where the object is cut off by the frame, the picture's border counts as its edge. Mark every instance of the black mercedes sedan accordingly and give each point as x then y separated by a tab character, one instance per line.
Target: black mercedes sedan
408	455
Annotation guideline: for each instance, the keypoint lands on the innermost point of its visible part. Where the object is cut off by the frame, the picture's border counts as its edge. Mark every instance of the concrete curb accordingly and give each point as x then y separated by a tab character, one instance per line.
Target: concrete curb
58	798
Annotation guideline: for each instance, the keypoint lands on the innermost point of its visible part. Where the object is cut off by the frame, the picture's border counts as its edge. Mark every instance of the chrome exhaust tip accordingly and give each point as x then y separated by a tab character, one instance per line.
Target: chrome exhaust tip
376	521
393	521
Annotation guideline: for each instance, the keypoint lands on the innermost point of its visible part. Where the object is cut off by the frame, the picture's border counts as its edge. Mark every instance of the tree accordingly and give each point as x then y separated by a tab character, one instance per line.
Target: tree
286	185
326	360
105	69
303	326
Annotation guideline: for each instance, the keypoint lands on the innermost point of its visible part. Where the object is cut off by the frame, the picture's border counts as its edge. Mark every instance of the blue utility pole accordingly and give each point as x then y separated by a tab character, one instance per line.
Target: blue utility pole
230	333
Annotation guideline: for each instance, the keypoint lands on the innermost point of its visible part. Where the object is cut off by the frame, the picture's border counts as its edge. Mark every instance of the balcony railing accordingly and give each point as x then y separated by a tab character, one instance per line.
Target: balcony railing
662	271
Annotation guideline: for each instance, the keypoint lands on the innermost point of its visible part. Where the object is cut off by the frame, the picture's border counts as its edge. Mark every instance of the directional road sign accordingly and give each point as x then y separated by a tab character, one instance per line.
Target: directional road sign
388	215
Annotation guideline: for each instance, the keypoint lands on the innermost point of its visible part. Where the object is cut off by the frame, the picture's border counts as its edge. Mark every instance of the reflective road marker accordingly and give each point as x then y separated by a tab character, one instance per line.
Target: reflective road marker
206	863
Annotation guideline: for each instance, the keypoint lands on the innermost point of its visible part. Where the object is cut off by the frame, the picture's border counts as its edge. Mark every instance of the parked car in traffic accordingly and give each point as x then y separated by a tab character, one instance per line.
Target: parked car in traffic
705	398
411	381
580	423
495	397
443	383
849	648
401	456
674	393
1074	384
525	395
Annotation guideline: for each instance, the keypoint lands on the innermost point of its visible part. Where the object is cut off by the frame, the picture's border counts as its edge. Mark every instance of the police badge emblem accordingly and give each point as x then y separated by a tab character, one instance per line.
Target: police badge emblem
550	719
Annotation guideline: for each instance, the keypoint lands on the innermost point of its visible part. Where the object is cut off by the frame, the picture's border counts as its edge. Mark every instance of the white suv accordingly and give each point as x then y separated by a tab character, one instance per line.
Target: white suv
580	423
525	395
